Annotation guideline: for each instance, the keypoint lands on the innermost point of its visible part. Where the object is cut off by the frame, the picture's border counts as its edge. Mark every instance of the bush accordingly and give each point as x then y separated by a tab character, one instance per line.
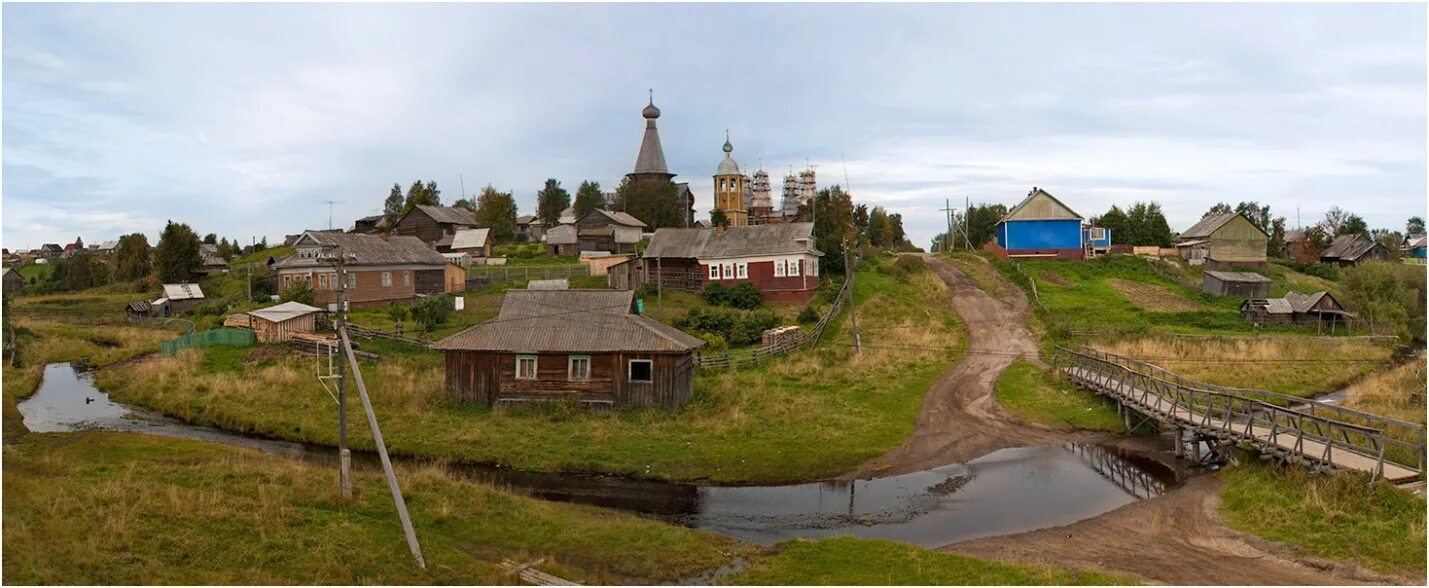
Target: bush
398	313
744	296
298	291
714	294
749	327
714	342
1319	270
730	326
908	265
808	315
432	311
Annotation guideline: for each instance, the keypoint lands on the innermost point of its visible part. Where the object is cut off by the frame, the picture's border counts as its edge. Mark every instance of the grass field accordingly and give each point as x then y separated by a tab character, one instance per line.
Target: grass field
980	270
873	562
810	415
118	508
1302	366
1340	516
1033	395
1396	393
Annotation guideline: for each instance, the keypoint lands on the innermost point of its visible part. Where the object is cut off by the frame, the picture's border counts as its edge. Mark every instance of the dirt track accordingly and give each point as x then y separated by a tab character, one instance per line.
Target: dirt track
1177	538
961	418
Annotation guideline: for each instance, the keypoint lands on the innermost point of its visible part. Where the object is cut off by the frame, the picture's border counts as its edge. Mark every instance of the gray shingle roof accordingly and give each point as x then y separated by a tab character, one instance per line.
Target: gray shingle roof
651	159
1208	225
369	249
1048	208
182	291
776	239
569	321
1249	277
1347	247
449	214
617	217
470	238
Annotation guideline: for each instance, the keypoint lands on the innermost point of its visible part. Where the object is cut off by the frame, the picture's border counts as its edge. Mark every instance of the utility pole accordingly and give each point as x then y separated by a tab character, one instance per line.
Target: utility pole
344	456
967	221
948	213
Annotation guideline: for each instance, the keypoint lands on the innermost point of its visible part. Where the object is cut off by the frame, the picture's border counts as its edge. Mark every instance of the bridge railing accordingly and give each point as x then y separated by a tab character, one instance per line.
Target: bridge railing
1241	417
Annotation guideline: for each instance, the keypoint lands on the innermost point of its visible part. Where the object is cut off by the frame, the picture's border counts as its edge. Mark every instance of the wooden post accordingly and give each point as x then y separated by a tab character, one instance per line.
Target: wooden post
344	456
412	544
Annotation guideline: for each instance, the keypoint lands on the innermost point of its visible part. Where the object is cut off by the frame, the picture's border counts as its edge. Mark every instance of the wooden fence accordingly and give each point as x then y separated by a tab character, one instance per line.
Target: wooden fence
361	331
506	273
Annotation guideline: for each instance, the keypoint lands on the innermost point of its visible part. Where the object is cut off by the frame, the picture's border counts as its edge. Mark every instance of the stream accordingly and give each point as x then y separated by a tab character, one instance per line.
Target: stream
1007	491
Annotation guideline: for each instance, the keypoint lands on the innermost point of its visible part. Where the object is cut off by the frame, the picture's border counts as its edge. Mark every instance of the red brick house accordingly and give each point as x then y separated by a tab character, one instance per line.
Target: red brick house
379	270
779	259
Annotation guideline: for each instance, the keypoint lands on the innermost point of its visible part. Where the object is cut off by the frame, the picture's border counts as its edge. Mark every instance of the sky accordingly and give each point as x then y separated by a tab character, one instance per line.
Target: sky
246	120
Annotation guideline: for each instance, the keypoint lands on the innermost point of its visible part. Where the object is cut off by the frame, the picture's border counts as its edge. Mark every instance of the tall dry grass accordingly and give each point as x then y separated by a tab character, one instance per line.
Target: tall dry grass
1396	393
1302	366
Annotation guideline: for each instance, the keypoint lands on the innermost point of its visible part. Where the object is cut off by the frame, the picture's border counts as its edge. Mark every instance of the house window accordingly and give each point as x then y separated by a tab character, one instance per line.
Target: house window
778	268
793	267
742	269
351	280
578	368
813	268
728	270
525	367
386	279
332	281
641	370
407	278
322	281
714	271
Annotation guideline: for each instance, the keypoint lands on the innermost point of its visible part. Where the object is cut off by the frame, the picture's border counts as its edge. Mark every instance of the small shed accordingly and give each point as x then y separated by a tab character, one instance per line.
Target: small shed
600	264
1223	241
277	324
136	309
1240	284
1347	250
474	242
13	281
563	240
177	299
1295	308
584	345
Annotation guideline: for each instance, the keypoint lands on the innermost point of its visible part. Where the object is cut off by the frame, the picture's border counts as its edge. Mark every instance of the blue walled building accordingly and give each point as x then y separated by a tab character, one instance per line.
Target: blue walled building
1043	227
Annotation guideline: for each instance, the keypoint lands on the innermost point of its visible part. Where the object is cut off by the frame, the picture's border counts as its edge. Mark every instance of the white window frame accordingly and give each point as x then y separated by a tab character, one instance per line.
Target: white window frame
741	270
793	268
571	368
535	369
352	280
386	279
332	282
728	269
322	281
630	371
813	268
406	277
714	271
778	268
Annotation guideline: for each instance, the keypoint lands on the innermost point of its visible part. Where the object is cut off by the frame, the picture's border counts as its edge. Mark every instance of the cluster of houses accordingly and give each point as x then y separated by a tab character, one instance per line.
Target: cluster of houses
50	252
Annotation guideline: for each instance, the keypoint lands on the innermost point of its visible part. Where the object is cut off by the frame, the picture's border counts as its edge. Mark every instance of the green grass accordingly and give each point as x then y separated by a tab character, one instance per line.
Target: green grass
221	359
39	271
811	415
981	271
123	508
261	256
1033	395
872	562
1340	516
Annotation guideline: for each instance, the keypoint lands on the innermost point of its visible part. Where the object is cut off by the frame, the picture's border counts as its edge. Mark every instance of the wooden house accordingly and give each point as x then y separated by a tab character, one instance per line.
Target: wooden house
1240	284
1295	308
380	269
1223	241
369	225
1040	227
177	298
435	225
563	240
51	251
609	230
1348	250
137	309
1413	248
473	242
12	282
778	259
586	345
277	324
1299	248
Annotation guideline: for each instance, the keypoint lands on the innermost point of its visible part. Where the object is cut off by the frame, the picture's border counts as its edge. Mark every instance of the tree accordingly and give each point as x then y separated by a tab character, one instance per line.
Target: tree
860	218
834	229
550	201
1388	294
1335	220
432	311
1415	226
1389	239
895	225
1354	225
1219	208
210	239
1115	221
177	257
224	249
133	257
1256	213
982	224
421	194
718	218
496	211
655	202
298	291
79	272
879	232
394	206
1146	225
588	198
465	203
1275	246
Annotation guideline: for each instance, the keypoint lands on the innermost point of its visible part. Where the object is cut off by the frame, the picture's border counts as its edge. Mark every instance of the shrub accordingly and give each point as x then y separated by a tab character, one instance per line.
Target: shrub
1319	270
432	311
908	265
749	327
744	296
298	291
714	342
714	294
398	313
808	315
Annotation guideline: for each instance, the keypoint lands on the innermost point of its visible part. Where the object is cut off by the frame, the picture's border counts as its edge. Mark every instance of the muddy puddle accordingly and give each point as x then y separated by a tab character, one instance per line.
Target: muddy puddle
1006	491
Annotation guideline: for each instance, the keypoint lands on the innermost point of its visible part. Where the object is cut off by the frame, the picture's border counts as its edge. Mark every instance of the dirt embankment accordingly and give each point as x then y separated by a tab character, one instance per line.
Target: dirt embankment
961	418
1177	538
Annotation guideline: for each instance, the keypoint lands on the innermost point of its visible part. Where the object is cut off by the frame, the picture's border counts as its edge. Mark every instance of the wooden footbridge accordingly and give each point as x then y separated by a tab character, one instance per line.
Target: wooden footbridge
1279	426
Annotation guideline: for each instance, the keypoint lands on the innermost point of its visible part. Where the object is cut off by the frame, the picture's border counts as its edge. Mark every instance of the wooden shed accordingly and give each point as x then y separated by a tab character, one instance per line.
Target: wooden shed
277	324
586	345
1295	308
1241	284
1224	241
1347	250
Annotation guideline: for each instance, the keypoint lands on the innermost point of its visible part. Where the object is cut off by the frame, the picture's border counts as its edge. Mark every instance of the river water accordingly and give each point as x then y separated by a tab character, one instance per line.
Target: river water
1006	491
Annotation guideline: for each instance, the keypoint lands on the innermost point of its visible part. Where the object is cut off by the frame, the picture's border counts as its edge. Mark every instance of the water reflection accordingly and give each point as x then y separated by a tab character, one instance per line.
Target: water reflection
1007	491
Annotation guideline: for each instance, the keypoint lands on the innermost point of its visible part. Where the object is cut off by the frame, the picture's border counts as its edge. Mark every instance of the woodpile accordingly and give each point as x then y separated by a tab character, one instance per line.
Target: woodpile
785	337
239	321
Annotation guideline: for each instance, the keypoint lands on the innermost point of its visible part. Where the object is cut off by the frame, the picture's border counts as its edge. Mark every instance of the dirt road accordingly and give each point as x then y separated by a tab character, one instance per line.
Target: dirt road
961	418
1177	538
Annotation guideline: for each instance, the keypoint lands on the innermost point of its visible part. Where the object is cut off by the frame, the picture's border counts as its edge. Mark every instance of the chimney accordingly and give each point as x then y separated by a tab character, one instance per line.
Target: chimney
719	229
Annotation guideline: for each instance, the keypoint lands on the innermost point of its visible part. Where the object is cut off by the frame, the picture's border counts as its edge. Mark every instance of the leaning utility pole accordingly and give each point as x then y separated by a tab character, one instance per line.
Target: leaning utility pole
344	456
948	213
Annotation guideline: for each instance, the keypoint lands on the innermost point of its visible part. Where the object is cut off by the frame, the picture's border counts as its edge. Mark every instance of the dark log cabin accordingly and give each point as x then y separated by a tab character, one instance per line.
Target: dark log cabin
435	225
586	345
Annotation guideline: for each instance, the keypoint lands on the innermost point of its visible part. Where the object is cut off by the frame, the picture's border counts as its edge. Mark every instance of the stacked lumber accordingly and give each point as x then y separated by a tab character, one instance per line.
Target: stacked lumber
238	321
781	339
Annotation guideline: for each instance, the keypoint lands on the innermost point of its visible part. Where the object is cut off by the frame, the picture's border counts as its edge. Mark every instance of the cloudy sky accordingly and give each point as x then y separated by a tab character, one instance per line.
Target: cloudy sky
245	120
